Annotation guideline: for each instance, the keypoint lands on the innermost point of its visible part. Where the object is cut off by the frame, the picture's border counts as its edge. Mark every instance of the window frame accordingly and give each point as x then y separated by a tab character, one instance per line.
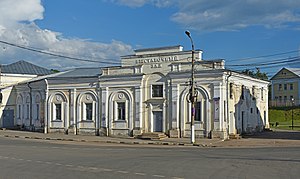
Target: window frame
291	86
243	92
279	87
37	111
58	115
198	111
161	90
123	111
88	111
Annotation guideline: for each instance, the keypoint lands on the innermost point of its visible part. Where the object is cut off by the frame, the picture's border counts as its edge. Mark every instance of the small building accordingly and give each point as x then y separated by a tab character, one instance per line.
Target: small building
11	75
285	88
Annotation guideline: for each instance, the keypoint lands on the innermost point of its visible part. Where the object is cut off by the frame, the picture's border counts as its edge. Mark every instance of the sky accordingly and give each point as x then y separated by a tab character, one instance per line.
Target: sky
246	34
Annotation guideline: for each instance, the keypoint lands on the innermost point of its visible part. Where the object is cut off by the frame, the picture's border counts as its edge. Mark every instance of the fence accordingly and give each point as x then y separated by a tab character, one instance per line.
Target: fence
284	103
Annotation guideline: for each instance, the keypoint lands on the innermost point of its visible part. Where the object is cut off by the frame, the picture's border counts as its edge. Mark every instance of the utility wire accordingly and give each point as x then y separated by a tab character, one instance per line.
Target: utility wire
264	56
57	55
278	61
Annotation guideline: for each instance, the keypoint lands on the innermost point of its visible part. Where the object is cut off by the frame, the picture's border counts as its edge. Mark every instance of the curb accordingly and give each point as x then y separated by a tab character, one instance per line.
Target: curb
107	141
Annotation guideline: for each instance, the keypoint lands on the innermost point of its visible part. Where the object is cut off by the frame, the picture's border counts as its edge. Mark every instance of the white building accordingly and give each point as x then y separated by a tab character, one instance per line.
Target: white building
147	93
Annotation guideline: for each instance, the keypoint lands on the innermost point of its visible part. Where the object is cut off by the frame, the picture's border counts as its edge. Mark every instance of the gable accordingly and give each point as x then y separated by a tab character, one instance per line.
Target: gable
284	74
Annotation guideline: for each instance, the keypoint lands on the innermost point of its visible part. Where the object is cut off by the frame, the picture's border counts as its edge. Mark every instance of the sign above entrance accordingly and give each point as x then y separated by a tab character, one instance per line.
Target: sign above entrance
157	60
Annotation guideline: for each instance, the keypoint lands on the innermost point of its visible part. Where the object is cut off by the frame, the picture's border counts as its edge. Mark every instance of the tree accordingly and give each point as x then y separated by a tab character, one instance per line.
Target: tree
54	71
258	74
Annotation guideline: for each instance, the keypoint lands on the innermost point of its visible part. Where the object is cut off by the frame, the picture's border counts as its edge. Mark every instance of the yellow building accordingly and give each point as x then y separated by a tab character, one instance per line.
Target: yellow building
285	86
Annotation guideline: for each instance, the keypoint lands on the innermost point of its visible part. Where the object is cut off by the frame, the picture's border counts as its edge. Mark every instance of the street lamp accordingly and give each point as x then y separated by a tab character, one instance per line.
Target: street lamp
192	90
293	113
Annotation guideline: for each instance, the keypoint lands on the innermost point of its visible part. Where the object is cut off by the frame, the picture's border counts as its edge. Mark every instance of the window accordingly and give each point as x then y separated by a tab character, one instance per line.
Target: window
58	111
157	90
243	92
291	97
253	92
19	111
231	90
280	87
285	98
291	86
262	94
198	111
285	86
251	110
89	111
121	110
27	111
37	111
280	98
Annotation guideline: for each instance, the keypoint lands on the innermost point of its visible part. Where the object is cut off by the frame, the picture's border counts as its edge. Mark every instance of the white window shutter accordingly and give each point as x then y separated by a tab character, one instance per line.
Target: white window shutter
53	111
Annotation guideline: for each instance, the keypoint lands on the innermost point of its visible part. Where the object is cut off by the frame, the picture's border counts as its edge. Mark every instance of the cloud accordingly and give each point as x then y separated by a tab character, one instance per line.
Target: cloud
220	15
140	3
17	11
18	27
227	15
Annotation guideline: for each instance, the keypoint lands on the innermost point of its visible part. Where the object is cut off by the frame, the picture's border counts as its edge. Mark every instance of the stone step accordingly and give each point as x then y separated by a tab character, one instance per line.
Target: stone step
152	136
234	136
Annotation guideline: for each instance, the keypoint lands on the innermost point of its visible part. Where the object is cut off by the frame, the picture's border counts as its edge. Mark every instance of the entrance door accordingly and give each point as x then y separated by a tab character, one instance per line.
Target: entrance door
8	118
157	121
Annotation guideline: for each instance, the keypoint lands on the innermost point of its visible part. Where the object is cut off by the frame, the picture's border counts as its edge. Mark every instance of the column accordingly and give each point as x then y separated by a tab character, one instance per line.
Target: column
138	118
104	111
174	116
73	121
218	111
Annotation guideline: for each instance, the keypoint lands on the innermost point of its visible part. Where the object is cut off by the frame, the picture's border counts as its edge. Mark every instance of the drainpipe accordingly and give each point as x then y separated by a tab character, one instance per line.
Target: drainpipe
227	99
30	104
46	108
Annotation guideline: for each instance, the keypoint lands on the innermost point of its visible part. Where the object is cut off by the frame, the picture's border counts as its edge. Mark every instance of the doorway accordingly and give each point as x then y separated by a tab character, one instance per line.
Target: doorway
157	121
8	118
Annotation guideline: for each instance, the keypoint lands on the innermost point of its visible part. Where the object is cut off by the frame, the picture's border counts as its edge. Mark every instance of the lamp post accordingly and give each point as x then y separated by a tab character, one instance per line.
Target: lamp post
292	113
192	90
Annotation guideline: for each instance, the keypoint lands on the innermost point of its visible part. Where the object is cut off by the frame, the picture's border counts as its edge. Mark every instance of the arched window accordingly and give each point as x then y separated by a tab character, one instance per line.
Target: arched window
121	107
19	107
58	107
37	107
27	112
88	107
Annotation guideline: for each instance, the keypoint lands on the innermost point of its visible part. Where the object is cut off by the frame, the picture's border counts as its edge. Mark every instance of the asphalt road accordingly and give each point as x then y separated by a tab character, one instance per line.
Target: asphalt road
24	158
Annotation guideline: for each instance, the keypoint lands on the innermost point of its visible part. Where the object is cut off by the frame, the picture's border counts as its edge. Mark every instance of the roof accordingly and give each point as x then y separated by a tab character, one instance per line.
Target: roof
93	72
24	67
295	71
81	72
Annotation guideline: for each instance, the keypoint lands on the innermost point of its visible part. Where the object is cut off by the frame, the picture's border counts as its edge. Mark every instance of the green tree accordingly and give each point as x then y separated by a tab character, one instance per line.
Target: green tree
258	74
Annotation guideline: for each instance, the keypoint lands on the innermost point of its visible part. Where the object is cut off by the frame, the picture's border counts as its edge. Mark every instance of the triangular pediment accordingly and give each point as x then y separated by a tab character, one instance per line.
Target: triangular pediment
285	73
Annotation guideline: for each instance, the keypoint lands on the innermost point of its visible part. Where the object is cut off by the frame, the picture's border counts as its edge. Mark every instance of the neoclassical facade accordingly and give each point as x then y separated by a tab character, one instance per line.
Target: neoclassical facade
65	102
148	93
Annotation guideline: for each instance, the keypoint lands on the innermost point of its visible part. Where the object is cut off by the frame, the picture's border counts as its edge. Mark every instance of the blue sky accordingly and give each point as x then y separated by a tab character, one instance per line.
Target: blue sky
105	29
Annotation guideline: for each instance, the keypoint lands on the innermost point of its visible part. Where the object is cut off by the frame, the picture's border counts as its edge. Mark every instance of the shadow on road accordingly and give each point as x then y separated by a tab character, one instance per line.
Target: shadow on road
290	135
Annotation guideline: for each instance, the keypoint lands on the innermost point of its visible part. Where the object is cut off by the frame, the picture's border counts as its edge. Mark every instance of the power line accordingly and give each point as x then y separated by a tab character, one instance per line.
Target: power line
58	55
274	62
264	56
